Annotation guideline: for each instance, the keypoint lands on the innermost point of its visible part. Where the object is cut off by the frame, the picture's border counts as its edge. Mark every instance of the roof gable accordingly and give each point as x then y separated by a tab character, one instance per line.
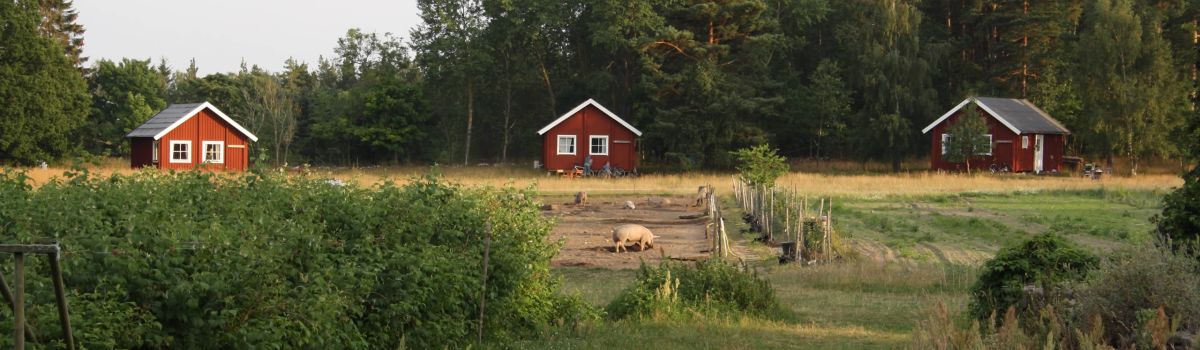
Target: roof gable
580	107
174	115
1018	115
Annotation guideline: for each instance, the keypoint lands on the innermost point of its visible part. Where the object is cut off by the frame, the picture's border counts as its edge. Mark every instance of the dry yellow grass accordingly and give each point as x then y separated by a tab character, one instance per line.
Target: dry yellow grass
917	183
804	183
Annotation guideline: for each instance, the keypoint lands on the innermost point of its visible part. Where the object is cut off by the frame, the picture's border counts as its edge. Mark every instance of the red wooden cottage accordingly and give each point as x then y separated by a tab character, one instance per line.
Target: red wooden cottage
185	136
1024	138
589	130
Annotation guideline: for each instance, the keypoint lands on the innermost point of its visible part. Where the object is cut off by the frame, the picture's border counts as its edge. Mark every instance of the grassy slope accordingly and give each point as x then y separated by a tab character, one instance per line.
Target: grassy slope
872	302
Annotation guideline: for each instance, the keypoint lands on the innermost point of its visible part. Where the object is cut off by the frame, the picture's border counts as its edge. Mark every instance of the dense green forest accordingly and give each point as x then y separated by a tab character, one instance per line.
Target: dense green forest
842	79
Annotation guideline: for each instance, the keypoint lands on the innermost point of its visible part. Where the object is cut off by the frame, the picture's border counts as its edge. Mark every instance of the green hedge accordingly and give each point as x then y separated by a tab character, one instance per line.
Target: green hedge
261	261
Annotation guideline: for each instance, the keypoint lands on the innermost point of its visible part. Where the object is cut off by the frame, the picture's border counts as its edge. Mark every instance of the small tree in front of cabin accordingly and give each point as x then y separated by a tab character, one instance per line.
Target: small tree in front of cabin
967	138
761	165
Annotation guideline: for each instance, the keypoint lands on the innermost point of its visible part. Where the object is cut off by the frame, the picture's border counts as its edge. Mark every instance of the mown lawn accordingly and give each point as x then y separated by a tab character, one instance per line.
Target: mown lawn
936	241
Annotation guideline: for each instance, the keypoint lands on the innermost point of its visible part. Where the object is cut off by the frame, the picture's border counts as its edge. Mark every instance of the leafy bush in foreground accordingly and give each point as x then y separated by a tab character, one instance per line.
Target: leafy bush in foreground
710	285
1043	263
1144	299
194	260
1131	286
1178	227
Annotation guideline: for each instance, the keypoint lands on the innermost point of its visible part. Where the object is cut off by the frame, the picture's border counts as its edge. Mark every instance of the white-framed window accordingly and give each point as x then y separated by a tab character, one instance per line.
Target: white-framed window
1024	142
154	155
599	145
566	144
181	152
214	152
945	140
989	149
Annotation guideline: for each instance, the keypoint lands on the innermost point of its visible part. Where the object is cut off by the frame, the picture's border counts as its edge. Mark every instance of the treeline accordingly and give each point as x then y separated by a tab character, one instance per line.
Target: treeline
852	79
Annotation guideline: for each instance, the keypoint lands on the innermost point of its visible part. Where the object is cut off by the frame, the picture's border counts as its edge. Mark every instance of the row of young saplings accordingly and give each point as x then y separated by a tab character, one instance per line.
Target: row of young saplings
800	226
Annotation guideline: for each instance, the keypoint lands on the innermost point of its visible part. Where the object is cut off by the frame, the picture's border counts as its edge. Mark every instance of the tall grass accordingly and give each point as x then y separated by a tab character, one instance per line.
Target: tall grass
826	183
803	183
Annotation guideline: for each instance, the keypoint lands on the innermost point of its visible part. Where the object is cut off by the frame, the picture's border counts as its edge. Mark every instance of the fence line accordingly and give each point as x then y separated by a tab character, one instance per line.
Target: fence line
806	236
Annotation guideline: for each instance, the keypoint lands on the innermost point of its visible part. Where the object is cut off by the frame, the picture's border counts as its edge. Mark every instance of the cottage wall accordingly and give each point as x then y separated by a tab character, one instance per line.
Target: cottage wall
622	143
141	152
205	126
1006	148
1005	144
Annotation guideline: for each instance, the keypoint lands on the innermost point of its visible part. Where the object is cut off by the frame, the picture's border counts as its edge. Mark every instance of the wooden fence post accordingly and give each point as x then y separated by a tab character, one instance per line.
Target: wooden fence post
19	301
487	243
60	297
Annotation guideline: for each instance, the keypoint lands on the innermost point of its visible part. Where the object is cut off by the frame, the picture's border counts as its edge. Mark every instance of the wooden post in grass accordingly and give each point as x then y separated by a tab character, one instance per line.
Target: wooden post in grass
829	222
17	297
800	237
19	301
60	298
820	212
787	221
487	243
724	240
769	213
825	228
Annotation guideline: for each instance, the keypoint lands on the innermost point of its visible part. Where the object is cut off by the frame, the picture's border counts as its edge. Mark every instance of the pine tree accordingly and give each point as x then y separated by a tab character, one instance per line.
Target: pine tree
1022	37
58	22
711	60
45	97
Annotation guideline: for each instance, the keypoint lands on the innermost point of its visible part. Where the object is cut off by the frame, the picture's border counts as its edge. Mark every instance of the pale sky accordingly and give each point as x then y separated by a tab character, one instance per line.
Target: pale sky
219	34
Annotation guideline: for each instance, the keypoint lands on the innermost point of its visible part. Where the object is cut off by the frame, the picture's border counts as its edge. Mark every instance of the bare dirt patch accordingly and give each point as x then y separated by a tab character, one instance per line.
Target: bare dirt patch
587	230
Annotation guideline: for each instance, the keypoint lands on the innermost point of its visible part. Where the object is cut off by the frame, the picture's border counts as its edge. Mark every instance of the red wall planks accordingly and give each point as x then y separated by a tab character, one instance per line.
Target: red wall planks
1013	155
590	121
204	126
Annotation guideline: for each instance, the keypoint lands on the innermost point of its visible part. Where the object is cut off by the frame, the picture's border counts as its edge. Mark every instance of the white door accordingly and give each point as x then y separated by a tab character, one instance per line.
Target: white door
1037	153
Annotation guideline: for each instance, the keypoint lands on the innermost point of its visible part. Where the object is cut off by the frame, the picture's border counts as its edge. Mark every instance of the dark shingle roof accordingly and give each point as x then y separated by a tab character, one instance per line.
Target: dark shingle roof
1022	115
164	120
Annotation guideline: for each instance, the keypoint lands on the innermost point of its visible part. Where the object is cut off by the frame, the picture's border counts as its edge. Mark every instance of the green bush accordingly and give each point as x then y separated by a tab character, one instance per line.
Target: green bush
1178	227
1131	285
761	165
195	260
1046	263
709	286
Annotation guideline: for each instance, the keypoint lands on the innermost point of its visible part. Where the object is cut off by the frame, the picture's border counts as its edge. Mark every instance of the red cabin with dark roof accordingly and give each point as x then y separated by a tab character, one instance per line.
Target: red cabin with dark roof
1023	137
187	136
589	130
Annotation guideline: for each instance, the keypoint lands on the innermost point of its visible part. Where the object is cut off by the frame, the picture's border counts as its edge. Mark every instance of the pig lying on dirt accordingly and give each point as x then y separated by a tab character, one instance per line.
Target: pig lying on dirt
630	233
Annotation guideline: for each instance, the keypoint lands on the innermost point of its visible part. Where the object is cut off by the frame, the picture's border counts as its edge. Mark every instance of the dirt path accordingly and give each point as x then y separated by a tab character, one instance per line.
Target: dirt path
586	231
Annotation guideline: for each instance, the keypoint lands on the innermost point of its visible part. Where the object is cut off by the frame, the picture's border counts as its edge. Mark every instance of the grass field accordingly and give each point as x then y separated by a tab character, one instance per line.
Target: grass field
917	240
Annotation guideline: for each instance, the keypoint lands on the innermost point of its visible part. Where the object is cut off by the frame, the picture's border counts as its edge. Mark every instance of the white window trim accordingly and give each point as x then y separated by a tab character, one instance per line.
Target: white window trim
558	144
945	139
989	150
1025	142
593	138
155	148
171	154
220	152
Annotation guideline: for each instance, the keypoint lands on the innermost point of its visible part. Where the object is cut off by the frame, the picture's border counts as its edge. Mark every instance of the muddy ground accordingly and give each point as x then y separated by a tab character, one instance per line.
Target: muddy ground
587	230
